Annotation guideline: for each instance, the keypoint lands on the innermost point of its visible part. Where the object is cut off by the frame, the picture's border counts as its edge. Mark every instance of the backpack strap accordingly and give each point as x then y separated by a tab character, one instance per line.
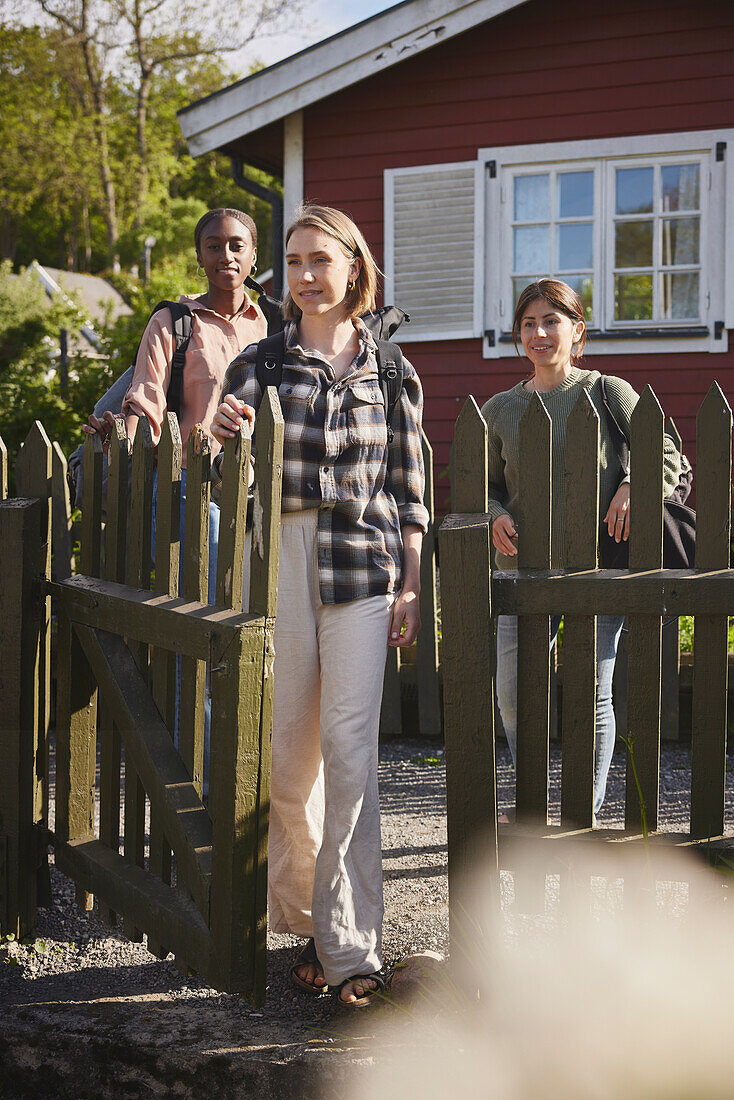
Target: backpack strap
183	326
272	307
391	373
269	362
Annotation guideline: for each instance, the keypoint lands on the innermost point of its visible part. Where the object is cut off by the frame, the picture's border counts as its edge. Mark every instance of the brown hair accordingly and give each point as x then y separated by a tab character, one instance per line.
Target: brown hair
563	298
361	298
224	212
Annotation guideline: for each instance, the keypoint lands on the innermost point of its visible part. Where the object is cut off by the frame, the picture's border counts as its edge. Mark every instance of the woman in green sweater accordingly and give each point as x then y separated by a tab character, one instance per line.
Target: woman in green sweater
549	322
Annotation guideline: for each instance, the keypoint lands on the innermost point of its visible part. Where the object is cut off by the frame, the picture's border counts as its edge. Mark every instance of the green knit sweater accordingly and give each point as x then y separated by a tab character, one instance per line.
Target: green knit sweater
503	413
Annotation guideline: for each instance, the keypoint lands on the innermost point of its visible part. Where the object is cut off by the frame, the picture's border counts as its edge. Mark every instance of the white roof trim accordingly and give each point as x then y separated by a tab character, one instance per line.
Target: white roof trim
368	48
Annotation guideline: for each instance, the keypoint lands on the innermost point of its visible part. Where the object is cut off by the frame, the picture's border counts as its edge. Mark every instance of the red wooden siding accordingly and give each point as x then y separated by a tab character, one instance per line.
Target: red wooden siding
541	73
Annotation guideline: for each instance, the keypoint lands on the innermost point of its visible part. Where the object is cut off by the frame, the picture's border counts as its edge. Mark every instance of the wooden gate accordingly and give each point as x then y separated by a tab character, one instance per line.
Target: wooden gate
474	594
122	626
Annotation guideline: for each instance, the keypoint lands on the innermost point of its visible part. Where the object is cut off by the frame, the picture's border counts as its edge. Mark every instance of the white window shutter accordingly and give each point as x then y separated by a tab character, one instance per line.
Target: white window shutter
430	242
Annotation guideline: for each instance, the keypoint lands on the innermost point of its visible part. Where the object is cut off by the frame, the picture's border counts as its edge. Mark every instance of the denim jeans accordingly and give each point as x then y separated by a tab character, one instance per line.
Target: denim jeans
212	588
608	629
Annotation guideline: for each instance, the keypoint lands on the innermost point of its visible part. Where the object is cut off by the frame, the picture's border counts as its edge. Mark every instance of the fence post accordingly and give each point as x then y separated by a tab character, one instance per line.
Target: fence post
23	539
469	479
468	700
33	479
195	587
710	657
139	567
533	631
242	715
63	562
429	699
644	639
579	631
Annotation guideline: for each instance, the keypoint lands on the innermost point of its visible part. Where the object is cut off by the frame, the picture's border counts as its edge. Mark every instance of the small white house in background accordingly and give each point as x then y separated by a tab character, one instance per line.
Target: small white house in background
96	298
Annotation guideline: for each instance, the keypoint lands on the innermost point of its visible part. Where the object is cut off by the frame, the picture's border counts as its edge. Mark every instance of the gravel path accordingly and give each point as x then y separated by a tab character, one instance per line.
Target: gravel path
77	958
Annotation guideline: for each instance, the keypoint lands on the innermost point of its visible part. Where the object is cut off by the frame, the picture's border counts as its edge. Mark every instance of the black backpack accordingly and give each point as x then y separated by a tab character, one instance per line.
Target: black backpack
390	369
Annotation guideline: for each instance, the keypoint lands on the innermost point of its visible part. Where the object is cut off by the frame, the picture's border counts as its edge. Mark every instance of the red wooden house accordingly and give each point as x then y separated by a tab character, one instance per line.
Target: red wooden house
483	143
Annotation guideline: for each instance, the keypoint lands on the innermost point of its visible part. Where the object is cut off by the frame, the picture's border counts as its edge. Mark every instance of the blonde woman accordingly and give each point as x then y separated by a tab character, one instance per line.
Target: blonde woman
353	522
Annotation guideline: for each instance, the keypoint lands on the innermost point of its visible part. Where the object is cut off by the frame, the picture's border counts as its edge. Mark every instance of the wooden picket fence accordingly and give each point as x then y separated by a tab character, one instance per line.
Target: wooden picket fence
202	892
474	594
198	887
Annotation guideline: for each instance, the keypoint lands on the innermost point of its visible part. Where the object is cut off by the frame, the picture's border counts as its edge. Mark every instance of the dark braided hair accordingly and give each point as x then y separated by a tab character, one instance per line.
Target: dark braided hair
224	212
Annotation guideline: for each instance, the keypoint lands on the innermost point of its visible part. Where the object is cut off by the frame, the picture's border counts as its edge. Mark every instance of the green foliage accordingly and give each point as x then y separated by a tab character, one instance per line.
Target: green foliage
31	387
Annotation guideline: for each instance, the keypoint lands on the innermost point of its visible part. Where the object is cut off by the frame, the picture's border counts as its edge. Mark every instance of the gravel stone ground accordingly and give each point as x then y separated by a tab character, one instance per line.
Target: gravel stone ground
78	966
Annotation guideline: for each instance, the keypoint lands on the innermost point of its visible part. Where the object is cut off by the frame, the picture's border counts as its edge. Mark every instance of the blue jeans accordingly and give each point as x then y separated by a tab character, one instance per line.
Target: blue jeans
608	629
211	594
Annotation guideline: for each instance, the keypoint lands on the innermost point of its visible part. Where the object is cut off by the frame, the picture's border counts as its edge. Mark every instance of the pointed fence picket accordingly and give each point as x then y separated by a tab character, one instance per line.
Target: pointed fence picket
474	594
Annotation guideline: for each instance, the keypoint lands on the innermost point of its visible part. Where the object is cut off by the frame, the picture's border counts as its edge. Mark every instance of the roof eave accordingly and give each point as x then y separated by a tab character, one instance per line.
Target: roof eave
370	47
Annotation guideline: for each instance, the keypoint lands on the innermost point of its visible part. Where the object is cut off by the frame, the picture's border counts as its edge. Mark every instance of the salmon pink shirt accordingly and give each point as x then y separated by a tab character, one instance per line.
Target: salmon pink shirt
215	342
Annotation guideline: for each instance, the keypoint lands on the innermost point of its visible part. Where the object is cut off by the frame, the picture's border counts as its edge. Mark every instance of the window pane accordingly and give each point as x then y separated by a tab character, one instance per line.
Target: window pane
532	198
633	297
634	190
518	285
575	194
679	296
680	240
584	287
633	244
532	248
575	246
680	183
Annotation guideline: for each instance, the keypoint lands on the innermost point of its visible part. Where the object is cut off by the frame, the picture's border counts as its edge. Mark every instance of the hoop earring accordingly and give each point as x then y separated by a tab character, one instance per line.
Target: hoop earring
253	269
350	286
199	273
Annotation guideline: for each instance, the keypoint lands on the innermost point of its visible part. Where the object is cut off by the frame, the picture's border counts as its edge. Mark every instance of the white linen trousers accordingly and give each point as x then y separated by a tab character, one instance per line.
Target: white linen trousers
324	846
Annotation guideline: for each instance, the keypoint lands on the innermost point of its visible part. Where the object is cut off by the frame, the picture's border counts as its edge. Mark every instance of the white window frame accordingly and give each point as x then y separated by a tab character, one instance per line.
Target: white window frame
439	332
717	225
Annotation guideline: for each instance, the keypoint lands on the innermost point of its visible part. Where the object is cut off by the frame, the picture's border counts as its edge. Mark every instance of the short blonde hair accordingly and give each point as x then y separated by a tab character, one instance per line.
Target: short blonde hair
361	298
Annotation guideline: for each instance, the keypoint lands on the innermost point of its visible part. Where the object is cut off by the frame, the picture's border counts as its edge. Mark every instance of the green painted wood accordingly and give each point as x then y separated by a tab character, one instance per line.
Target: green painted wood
429	697
470	460
140	563
167	551
238	913
141	616
644	638
391	718
91	532
76	740
114	570
162	911
20	641
140	567
163	660
195	587
63	564
267	489
471	794
173	797
263	807
33	475
710	660
3	470
533	631
658	592
579	631
233	510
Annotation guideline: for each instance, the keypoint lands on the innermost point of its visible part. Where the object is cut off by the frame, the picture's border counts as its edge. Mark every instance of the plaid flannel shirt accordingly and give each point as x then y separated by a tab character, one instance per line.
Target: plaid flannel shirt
337	459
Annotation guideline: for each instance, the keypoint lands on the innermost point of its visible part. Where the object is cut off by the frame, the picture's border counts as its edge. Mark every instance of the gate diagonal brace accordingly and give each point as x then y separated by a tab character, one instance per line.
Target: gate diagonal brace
186	822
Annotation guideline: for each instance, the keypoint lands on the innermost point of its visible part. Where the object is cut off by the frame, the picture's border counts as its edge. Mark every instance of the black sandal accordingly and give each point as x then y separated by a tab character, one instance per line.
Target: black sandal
381	979
308	957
